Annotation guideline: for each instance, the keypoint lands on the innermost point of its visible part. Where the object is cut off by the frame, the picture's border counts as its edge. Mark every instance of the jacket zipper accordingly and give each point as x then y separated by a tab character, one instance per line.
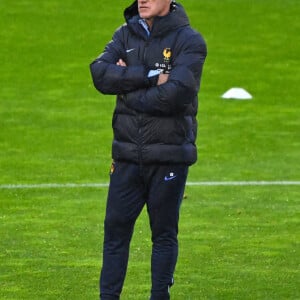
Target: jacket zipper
140	139
140	116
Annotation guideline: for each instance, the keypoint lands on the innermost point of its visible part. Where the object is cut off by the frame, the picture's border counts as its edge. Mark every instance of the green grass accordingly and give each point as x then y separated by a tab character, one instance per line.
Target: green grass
244	245
235	242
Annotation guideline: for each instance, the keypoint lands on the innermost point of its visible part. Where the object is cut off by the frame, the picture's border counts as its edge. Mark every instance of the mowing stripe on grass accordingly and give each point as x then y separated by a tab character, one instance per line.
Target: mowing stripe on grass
105	185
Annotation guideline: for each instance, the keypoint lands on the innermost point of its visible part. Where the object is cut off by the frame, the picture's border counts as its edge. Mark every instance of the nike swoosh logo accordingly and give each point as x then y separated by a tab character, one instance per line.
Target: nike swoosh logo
170	178
130	50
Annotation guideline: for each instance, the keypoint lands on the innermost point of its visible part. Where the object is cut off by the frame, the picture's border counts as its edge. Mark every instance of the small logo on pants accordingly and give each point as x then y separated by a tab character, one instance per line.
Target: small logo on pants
171	176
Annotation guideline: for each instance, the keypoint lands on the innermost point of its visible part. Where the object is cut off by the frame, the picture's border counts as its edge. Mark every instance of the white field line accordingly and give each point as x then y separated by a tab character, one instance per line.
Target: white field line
242	183
105	185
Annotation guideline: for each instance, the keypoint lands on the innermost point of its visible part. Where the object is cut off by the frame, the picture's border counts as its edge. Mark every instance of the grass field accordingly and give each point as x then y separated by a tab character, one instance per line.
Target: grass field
236	242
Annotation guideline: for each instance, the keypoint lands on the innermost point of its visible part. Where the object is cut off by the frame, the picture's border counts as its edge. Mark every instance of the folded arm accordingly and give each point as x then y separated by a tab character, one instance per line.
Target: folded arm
181	87
109	77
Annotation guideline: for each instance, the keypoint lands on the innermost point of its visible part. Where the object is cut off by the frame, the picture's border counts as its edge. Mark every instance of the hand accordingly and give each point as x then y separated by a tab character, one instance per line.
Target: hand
121	63
162	78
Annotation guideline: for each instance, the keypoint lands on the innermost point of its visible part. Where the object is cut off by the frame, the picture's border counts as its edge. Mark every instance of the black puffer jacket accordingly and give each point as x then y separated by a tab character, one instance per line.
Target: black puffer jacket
153	123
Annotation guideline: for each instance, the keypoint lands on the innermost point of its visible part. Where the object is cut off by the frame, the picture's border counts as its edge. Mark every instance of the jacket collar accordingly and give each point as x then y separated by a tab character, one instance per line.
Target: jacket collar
161	25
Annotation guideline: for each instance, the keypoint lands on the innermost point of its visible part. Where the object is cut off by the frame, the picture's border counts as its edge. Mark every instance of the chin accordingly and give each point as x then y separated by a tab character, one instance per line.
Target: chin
145	16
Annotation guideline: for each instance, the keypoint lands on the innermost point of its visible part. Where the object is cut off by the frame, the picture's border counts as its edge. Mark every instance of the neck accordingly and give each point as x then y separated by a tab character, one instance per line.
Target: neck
149	22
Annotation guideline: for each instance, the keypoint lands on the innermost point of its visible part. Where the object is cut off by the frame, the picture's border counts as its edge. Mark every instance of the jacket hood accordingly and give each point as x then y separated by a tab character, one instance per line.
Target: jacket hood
175	19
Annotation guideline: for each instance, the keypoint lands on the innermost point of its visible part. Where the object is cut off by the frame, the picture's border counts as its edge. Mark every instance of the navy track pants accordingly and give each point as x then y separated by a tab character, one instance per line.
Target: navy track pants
160	188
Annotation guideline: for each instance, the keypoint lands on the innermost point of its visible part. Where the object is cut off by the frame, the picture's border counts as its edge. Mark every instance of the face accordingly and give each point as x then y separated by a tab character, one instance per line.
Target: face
148	9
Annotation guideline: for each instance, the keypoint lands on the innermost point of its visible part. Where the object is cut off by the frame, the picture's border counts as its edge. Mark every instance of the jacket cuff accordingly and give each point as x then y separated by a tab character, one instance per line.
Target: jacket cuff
150	80
153	80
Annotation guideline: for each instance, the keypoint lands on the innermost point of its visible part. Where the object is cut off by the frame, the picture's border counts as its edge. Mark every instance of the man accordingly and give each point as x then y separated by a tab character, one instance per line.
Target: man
153	64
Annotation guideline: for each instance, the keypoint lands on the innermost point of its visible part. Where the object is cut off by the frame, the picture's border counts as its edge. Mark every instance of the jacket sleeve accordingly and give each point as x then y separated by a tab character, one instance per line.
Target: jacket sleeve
110	78
182	86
